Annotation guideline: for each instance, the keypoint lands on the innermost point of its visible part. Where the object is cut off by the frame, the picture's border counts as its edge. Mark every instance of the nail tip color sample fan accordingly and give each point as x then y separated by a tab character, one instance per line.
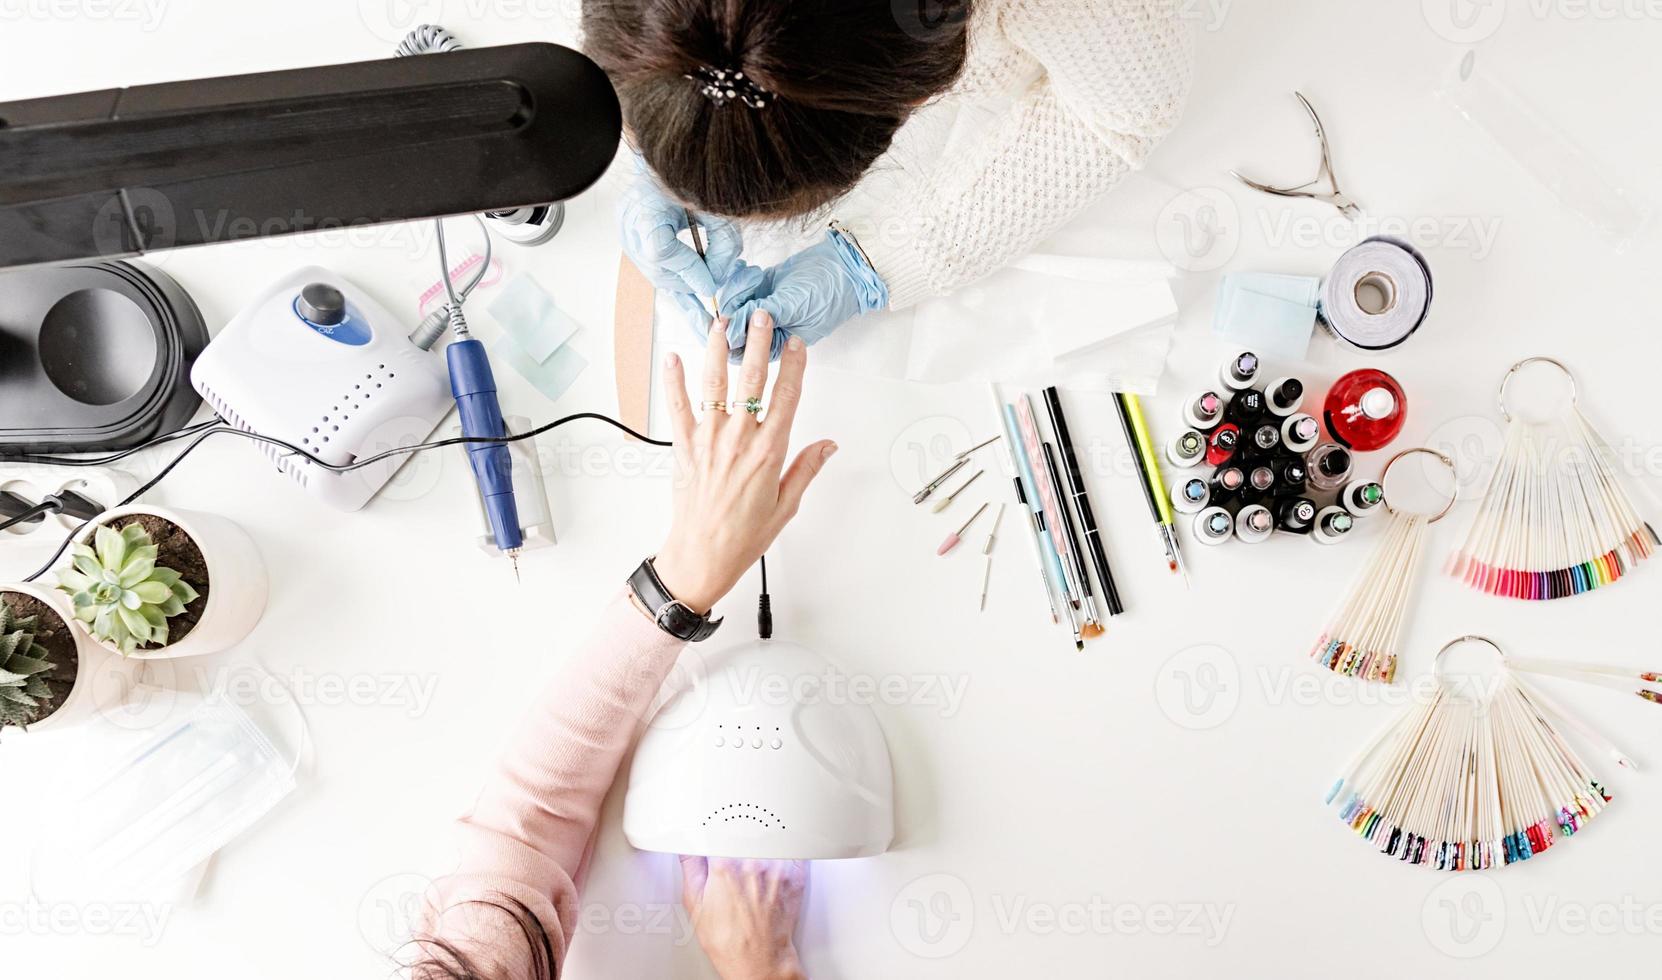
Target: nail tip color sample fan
1361	636
1555	520
1456	785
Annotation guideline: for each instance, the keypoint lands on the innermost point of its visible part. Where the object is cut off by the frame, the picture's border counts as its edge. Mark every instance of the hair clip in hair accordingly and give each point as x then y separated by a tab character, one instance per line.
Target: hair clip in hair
724	85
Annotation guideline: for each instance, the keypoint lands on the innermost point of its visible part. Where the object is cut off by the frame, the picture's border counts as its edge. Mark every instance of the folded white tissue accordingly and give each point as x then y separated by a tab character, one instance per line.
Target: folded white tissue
1087	323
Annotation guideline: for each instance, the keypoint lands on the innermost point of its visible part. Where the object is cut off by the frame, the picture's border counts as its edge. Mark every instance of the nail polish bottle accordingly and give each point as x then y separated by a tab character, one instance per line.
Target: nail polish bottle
1204	411
1240	371
1254	524
1214	525
1362	497
1332	524
1191	496
1226	441
1330	466
1227	484
1296	515
1300	433
1284	396
1246	408
1264	439
1188	449
1292	475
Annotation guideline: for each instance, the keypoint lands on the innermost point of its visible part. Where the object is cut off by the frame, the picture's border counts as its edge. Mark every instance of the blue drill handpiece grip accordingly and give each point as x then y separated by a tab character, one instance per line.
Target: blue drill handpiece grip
474	386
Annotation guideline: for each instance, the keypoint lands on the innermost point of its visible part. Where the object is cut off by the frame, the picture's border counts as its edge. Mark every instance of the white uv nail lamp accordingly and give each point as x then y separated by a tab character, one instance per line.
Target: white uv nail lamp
759	752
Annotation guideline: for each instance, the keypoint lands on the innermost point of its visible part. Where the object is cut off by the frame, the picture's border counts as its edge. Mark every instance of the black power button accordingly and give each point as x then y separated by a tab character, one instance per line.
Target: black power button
323	305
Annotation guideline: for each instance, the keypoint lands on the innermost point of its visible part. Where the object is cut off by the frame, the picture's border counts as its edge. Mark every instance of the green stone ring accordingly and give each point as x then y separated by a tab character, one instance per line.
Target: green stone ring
750	405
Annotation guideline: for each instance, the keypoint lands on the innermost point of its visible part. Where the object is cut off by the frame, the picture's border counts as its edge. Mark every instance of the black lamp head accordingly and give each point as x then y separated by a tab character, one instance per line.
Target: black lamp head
122	172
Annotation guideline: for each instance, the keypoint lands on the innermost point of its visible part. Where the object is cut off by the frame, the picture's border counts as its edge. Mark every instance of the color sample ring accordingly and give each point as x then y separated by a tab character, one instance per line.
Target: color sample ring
1575	391
1437	661
1454	495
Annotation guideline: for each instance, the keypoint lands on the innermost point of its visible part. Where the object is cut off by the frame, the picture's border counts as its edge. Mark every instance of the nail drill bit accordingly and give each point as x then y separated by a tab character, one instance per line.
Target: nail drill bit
953	540
946	501
935	484
987	554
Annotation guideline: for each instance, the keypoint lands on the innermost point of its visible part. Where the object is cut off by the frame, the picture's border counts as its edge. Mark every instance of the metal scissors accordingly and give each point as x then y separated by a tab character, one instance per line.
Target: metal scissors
1333	196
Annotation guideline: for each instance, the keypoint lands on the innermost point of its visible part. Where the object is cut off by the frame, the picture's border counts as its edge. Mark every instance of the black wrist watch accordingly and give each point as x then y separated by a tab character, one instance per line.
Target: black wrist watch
672	615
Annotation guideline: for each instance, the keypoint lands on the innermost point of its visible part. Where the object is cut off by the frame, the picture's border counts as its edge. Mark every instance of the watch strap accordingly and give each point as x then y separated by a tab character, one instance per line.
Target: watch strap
671	614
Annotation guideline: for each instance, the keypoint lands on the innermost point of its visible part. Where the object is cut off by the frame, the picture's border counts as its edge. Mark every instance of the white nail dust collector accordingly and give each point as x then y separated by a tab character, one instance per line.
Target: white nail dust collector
319	364
760	752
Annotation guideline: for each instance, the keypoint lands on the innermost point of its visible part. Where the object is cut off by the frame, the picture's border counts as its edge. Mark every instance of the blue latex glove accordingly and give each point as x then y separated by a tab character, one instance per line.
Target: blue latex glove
649	223
810	294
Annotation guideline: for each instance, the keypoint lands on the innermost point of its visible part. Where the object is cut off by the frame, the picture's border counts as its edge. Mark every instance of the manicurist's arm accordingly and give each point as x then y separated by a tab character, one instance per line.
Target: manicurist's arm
1115	75
509	909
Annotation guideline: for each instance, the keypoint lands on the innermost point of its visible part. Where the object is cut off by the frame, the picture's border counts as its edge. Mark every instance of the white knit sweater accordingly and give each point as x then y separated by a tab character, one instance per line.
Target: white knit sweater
1060	99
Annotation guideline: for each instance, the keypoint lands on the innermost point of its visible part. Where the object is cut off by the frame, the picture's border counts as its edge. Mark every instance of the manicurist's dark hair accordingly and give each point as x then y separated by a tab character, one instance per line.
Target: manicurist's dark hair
436	959
841	76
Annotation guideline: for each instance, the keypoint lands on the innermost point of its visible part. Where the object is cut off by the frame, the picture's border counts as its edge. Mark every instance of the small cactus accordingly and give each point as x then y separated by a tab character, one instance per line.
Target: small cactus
24	696
120	592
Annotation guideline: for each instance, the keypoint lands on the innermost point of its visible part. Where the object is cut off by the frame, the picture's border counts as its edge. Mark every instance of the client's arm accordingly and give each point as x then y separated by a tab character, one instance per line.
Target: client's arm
509	909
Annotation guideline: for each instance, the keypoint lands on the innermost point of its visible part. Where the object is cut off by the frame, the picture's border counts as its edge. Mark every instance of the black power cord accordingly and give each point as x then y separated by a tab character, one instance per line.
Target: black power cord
203	431
173	436
35	513
764	606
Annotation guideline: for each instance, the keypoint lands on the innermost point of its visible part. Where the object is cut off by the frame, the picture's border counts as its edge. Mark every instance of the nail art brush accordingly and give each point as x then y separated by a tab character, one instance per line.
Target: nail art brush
935	484
947	500
1021	500
1076	554
955	538
987	554
1129	409
1046	539
1055	579
1050	497
1082	500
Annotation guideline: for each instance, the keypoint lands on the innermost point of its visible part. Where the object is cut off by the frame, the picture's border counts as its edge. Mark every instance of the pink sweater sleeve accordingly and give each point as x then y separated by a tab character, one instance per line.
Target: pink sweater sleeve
529	834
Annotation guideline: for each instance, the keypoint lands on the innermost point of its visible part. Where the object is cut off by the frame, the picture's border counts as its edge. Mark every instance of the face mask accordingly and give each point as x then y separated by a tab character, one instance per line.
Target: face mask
199	783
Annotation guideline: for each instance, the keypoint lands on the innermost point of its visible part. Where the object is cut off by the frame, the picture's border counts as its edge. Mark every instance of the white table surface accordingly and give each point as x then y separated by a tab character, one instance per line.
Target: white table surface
1151	808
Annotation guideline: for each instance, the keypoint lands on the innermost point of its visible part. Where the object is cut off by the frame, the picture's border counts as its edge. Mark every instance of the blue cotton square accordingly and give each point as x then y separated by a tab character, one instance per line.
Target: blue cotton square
530	316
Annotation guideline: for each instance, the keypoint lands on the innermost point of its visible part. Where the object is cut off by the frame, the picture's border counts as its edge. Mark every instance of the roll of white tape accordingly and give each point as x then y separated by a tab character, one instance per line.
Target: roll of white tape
1377	295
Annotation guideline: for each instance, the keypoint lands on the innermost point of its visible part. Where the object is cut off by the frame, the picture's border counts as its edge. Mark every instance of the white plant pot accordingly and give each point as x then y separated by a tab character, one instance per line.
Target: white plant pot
102	679
237	582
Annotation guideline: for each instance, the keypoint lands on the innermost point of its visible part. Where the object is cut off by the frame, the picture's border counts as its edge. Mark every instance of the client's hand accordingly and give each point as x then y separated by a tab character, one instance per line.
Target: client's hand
744	913
730	498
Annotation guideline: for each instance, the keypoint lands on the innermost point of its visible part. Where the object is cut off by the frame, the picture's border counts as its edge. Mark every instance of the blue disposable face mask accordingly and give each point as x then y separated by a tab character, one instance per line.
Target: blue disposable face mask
202	781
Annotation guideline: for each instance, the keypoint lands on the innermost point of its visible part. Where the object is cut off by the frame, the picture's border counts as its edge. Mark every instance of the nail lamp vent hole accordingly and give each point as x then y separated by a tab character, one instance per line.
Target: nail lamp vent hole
745	813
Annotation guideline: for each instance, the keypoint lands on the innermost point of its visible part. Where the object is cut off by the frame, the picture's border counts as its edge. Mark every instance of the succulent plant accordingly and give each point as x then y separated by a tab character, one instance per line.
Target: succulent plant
24	696
120	592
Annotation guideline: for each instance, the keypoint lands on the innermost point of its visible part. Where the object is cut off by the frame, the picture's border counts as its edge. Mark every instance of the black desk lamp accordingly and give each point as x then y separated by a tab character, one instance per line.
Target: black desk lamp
125	171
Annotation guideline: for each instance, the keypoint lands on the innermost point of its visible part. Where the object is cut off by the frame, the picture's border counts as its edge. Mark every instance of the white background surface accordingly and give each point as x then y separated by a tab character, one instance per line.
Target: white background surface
1177	767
